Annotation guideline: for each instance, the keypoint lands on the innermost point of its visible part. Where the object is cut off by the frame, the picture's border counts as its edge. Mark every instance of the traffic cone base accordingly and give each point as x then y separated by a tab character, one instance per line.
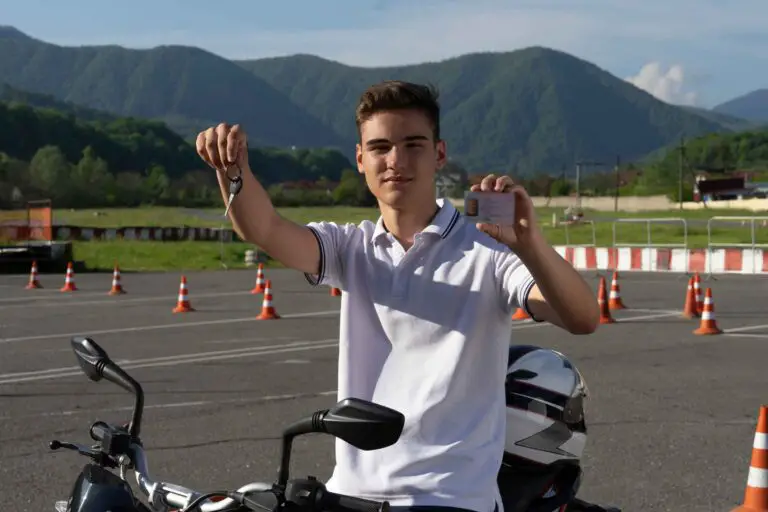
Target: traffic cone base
268	311
605	312
183	305
756	492
614	300
183	308
708	323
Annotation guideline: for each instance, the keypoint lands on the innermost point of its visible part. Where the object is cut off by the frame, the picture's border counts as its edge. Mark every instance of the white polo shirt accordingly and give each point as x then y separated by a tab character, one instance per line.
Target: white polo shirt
425	332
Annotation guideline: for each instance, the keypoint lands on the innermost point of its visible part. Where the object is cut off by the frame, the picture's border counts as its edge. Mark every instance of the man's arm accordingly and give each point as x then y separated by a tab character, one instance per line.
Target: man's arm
255	219
560	296
253	215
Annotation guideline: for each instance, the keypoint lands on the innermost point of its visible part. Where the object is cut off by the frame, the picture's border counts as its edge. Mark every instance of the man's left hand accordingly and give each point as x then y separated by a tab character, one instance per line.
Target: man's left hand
525	227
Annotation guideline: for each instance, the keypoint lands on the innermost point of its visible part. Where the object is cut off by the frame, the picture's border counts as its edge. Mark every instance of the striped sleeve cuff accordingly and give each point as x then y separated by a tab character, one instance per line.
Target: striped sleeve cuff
316	279
525	291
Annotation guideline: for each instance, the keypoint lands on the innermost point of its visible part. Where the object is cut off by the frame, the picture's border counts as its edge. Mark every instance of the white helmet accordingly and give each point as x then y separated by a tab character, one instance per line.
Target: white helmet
546	430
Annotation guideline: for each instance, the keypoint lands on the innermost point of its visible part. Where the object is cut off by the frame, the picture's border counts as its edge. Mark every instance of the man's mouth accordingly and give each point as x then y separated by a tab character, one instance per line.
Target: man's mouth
397	179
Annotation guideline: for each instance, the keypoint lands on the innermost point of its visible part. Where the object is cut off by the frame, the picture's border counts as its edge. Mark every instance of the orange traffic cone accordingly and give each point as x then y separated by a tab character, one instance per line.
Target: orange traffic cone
117	288
267	310
605	312
614	301
697	289
69	280
183	305
756	493
33	282
520	314
335	292
708	324
259	288
690	310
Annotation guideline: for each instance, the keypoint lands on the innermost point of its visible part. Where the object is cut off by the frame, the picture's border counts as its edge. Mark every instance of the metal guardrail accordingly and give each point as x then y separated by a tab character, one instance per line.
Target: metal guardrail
753	244
649	243
580	223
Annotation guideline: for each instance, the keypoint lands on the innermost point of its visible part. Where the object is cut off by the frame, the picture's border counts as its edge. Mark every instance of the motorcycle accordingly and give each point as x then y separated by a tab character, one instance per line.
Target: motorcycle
363	424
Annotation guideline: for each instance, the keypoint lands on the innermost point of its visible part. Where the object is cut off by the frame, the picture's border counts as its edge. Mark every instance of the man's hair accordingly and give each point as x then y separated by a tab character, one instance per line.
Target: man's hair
399	95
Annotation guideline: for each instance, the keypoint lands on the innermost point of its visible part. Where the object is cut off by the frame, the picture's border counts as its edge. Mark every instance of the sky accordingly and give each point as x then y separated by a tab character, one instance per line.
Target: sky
691	52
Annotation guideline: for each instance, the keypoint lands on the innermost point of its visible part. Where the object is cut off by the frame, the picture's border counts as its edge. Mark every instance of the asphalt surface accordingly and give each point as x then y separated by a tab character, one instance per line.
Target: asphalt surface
671	415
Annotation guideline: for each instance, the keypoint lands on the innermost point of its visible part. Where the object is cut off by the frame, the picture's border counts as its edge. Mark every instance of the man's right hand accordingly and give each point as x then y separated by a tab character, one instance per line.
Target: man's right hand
223	146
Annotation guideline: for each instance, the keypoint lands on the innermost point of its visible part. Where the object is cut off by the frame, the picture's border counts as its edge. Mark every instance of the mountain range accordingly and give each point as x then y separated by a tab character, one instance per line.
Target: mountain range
524	111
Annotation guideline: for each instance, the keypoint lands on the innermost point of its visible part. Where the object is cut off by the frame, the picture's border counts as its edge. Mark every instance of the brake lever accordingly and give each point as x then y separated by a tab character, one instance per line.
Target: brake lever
94	453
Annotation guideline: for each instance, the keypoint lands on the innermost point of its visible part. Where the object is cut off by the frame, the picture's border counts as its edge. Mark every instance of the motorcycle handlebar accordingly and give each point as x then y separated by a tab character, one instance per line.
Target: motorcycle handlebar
255	495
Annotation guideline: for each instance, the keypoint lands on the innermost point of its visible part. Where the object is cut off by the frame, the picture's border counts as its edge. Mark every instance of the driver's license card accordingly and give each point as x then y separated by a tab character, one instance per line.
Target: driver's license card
490	207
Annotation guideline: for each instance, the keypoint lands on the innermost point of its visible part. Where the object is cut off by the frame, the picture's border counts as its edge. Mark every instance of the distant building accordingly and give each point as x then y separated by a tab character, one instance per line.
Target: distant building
717	185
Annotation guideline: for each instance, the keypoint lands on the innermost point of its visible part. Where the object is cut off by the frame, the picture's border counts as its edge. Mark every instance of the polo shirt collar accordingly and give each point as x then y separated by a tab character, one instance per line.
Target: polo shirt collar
442	224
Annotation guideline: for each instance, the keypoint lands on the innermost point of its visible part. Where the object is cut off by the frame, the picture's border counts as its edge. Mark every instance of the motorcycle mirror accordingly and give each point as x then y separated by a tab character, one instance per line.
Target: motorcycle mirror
96	364
364	425
90	356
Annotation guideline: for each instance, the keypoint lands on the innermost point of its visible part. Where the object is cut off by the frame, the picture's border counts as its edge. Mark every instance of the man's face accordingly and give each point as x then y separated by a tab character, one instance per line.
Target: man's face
399	157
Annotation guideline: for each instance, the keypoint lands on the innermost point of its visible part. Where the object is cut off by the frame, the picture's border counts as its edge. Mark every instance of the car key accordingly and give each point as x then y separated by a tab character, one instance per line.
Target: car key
235	185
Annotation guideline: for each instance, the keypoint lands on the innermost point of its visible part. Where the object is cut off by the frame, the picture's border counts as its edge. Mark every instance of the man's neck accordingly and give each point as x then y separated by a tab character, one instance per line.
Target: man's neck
404	224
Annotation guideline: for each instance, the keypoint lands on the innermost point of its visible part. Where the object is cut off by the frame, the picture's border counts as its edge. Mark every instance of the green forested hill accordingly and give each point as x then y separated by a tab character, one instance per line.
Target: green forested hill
525	111
187	87
46	153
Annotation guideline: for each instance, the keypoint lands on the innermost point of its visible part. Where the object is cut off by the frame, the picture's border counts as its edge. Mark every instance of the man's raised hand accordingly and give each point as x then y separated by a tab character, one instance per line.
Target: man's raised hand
222	146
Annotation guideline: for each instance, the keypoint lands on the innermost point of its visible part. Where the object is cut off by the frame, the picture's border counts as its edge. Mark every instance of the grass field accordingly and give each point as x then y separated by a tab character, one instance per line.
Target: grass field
146	255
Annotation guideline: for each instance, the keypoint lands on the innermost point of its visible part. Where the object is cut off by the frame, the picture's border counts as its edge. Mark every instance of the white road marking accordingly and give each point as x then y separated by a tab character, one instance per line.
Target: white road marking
746	328
163	326
109	300
175	405
201	357
746	335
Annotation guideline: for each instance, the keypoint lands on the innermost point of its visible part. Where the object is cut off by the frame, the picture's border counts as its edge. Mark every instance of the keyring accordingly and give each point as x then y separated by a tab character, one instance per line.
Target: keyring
239	172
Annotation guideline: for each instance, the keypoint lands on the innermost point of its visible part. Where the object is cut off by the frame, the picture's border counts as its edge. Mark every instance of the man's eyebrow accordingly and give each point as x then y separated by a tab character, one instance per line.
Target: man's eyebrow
410	138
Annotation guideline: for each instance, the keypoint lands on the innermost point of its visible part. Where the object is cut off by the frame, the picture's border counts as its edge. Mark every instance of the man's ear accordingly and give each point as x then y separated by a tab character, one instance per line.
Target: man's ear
359	158
441	151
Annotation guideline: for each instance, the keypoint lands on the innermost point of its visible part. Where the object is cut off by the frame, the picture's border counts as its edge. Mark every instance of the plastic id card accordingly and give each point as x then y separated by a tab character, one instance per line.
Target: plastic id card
490	207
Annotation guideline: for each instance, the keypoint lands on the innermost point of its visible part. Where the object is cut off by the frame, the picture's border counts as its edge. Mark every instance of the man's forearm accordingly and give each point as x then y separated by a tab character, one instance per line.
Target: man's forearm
252	210
566	293
255	219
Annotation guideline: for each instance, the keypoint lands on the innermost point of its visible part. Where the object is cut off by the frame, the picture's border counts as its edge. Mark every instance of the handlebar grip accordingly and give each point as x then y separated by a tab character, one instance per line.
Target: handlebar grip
343	503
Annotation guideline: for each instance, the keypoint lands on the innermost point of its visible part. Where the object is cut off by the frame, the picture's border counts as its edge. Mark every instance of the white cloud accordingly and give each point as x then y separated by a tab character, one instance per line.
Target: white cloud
669	85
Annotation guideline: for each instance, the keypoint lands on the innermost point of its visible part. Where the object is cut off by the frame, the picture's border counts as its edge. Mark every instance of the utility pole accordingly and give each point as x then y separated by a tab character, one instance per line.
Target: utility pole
616	194
680	161
579	163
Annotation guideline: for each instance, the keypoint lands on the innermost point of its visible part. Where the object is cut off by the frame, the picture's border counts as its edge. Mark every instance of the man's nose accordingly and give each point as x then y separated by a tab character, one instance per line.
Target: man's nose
395	158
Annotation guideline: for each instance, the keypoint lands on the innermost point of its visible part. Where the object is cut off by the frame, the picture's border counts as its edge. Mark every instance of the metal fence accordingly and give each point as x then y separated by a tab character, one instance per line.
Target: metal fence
753	244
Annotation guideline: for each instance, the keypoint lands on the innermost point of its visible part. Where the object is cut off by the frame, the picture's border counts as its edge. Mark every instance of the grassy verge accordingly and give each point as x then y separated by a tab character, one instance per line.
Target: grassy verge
158	256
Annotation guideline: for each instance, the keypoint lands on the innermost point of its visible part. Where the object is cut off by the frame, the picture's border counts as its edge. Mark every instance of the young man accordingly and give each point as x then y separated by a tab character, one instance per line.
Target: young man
427	303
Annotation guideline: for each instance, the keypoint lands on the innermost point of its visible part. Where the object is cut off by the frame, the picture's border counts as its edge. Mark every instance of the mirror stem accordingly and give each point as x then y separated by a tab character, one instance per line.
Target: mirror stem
308	425
115	374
